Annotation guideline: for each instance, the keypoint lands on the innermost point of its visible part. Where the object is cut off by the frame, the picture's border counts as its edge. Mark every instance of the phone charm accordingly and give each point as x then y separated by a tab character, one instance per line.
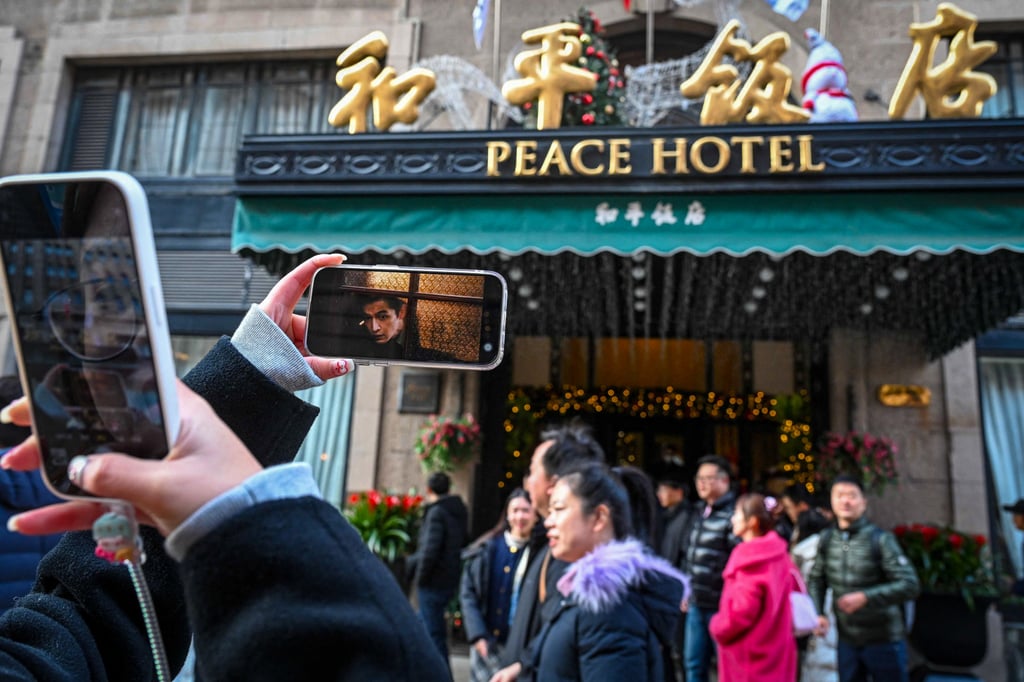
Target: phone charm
117	540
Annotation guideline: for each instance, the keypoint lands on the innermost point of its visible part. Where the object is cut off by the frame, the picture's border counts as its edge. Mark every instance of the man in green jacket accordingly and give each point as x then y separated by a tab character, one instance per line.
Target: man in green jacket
870	579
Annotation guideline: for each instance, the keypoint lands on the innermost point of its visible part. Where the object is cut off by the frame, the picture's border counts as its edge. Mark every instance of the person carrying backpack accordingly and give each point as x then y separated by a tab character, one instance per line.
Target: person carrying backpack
870	578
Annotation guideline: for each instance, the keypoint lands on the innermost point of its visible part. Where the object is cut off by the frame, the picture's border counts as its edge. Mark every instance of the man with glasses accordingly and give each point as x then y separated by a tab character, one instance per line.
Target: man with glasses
707	548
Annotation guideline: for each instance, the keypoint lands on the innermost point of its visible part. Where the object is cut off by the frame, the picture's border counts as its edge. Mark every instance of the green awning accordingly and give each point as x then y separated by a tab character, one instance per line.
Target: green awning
514	223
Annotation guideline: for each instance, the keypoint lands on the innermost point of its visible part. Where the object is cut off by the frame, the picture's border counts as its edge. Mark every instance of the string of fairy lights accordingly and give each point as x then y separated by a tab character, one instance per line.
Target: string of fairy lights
528	407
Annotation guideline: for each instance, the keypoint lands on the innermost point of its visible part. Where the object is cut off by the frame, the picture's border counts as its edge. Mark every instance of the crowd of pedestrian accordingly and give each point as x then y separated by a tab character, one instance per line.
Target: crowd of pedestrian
591	573
726	605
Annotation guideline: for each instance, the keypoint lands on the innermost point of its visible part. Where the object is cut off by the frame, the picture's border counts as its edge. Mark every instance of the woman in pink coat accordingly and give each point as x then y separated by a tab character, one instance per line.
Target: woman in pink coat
754	623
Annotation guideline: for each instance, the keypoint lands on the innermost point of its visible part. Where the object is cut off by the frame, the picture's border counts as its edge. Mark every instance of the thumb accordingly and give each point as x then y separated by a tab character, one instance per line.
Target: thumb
330	368
140	482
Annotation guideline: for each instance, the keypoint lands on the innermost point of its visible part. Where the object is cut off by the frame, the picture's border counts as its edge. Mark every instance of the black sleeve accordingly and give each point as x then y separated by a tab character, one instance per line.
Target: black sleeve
318	607
473	603
82	620
270	421
428	554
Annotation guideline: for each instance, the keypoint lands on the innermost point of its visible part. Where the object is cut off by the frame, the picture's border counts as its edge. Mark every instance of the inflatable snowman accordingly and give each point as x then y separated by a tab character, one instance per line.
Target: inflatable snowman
824	82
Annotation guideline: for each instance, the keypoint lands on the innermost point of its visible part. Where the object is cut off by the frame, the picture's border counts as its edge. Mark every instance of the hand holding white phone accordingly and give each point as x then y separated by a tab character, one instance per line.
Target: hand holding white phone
83	293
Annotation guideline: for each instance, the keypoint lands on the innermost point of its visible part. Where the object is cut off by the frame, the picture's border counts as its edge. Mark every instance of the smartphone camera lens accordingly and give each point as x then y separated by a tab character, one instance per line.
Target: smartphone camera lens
488	347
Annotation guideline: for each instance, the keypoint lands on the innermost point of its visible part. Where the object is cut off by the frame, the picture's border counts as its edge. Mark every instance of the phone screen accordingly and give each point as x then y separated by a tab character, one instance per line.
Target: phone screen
413	316
80	327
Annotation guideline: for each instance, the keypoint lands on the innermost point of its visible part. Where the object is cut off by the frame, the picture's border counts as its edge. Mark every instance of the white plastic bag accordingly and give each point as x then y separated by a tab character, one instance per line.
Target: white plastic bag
805	616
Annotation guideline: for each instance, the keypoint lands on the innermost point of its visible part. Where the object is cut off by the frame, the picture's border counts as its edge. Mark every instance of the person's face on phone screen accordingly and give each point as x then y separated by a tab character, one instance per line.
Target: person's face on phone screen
381	322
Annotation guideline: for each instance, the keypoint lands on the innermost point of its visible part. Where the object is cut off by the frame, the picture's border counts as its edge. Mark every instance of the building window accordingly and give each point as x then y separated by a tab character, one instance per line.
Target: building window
188	120
1007	67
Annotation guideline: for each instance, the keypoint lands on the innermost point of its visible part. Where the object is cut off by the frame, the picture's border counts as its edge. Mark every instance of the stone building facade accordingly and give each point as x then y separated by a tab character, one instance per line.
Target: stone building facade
45	46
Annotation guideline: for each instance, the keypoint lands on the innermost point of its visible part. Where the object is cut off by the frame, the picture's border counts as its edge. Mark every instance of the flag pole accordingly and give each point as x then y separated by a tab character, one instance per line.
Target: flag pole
650	33
495	56
496	47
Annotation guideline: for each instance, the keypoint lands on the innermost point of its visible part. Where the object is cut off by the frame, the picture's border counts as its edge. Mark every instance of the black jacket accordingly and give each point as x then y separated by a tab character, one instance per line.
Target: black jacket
677	533
528	618
864	558
437	563
264	611
82	620
474	588
707	551
20	554
619	613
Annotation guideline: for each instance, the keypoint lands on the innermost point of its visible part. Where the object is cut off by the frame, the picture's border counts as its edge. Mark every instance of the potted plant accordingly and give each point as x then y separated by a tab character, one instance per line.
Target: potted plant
870	458
385	522
957	587
446	443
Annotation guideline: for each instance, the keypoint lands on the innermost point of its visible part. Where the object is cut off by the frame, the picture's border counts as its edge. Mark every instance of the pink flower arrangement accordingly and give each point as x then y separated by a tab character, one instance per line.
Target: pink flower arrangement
445	443
870	458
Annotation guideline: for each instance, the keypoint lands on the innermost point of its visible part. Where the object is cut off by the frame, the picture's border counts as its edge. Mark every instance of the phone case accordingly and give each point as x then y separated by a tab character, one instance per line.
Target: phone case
150	299
415	316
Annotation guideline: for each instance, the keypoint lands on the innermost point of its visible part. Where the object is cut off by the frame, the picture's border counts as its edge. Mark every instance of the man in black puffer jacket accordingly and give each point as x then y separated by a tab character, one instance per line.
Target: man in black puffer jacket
436	565
707	551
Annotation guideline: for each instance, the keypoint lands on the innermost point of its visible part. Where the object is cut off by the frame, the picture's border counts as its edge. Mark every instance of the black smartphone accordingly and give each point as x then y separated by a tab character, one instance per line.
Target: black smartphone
387	315
90	333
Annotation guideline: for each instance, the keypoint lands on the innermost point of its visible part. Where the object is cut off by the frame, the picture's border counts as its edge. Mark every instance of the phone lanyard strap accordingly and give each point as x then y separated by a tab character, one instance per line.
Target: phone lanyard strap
117	538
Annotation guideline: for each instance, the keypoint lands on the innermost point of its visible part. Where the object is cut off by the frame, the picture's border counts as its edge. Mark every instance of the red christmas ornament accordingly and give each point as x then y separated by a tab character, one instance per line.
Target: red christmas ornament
600	54
588	98
588	119
590	51
527	105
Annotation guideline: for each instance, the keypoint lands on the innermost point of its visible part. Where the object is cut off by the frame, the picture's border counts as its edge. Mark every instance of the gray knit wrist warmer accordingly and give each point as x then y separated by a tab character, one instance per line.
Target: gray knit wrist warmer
270	350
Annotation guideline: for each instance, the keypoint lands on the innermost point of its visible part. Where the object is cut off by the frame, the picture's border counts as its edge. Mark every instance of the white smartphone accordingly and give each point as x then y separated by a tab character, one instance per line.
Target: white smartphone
90	332
387	315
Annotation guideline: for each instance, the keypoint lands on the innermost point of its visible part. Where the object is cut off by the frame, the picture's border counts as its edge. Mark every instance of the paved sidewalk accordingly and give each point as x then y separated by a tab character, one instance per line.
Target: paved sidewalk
460	667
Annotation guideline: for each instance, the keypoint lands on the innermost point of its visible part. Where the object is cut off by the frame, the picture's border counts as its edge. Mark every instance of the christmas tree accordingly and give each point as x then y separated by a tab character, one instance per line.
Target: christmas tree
601	107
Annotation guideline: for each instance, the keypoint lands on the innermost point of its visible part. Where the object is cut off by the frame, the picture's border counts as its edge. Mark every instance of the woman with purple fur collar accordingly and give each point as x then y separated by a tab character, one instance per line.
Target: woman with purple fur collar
620	603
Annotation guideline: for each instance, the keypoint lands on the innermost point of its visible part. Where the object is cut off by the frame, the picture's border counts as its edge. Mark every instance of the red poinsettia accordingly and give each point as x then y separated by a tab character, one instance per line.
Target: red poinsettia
947	560
384	521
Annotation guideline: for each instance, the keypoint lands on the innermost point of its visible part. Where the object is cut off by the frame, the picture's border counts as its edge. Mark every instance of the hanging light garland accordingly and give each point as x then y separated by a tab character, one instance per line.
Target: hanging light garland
528	407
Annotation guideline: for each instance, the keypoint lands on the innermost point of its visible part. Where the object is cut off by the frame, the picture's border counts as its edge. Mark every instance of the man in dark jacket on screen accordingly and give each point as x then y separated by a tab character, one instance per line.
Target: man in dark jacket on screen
436	564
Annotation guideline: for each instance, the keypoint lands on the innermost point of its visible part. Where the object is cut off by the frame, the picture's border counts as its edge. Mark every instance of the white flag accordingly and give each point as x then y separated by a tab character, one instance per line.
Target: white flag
480	21
791	9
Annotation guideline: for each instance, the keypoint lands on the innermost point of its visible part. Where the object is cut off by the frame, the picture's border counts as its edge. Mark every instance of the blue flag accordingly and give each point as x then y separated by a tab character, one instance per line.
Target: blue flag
791	9
480	21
